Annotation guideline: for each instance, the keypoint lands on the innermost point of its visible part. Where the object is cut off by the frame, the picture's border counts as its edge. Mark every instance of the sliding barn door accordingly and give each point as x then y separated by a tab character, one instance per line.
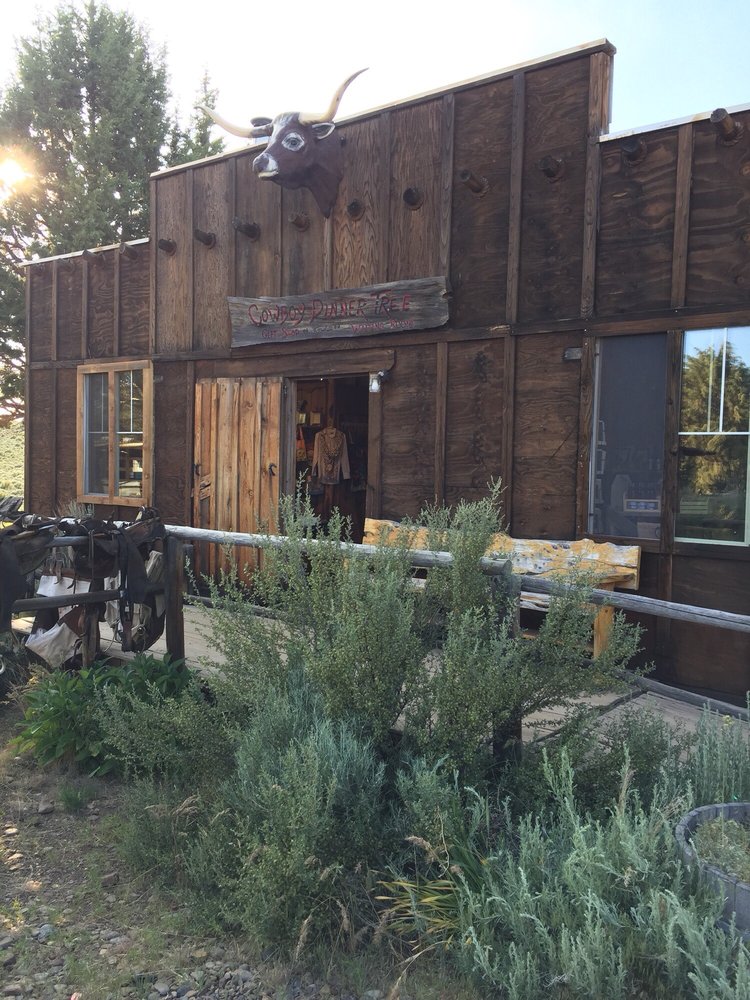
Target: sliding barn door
240	460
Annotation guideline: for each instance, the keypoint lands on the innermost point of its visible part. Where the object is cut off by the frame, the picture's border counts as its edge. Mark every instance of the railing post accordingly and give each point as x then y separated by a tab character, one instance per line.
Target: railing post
174	588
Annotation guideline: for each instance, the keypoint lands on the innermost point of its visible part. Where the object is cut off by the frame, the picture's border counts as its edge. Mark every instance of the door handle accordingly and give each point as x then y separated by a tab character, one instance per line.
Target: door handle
272	469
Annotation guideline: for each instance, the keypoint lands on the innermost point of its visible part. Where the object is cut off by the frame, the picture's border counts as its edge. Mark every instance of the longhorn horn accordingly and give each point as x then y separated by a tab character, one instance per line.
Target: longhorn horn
244	132
328	115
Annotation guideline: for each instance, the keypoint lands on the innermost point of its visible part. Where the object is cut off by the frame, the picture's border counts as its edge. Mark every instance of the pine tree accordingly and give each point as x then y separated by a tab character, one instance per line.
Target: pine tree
86	115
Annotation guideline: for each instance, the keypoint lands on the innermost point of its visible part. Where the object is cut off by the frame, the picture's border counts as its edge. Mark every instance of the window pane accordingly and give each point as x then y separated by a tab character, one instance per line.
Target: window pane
712	488
715	394
96	443
628	445
129	434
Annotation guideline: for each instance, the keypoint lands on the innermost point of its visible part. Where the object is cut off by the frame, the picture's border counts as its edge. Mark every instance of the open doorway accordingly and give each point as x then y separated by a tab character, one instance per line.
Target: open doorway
331	446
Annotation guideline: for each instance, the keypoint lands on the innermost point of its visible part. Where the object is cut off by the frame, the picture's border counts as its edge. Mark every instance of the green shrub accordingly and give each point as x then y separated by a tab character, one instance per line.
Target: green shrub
310	821
61	721
720	767
11	461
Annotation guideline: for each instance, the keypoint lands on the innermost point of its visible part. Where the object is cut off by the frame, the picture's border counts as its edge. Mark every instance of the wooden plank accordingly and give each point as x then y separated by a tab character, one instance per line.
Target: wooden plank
671	428
69	314
174	587
302	267
101	305
117	305
153	188
718	259
212	269
682	214
84	345
480	236
441	406
270	451
257	262
320	365
557	116
374	500
515	200
134	314
360	213
636	226
54	305
66	443
508	422
249	435
598	84
173	297
447	134
474	421
27	463
585	417
689	318
347	312
416	166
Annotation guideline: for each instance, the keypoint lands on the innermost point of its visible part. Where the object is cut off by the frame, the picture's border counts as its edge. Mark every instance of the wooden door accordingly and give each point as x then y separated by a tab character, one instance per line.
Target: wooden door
240	461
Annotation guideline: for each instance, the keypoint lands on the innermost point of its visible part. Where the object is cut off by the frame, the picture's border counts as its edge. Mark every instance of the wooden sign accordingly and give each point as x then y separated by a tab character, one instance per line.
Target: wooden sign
420	304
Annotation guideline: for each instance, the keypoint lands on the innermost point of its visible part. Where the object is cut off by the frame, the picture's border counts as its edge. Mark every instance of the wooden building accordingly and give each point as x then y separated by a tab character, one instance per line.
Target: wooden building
596	354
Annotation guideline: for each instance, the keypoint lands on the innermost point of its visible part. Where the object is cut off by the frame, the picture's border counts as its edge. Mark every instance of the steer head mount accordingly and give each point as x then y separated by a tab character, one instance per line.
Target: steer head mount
301	151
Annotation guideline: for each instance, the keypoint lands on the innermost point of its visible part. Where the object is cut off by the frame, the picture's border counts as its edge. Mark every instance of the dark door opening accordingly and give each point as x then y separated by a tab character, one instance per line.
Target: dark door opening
331	446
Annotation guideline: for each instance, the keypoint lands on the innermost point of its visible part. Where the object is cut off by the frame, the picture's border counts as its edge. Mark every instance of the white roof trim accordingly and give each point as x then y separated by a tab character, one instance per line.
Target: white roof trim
674	123
79	253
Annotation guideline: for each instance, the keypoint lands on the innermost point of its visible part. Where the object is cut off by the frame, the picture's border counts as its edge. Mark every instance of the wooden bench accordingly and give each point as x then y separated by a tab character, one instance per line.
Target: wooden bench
610	565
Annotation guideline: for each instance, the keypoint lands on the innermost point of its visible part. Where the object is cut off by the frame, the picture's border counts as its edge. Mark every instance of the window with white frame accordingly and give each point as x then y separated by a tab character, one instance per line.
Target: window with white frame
713	437
114	432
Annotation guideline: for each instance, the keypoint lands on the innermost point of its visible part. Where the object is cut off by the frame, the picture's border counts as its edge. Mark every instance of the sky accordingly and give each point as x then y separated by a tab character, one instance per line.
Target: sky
675	58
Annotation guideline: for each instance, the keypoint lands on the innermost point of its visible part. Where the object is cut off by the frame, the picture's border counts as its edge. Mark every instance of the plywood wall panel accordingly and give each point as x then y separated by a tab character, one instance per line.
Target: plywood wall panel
174	272
40	320
212	213
134	303
40	442
408	437
416	162
303	250
719	241
552	210
360	242
69	311
545	444
474	418
66	441
257	262
173	482
101	307
636	227
479	236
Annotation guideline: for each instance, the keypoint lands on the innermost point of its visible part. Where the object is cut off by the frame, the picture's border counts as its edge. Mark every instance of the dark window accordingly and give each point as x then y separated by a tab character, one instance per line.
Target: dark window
628	437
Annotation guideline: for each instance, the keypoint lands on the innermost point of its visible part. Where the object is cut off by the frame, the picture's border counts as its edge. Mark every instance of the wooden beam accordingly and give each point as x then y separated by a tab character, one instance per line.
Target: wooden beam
190	290
174	587
585	417
598	100
86	265
190	433
446	182
116	298
441	409
515	197
53	311
508	429
232	209
154	191
682	214
374	499
656	321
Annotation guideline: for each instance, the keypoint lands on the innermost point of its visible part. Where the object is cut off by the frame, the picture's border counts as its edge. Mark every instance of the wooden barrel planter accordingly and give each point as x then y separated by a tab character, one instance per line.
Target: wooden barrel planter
736	892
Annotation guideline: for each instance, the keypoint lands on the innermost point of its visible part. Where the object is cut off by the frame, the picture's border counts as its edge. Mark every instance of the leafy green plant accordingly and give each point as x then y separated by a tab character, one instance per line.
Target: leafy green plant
60	719
75	797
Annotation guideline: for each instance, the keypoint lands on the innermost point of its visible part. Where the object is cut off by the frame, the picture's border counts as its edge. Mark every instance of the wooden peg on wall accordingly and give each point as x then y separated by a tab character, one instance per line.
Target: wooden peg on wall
168	246
727	128
92	258
127	251
300	221
633	149
413	198
249	229
552	167
479	185
207	239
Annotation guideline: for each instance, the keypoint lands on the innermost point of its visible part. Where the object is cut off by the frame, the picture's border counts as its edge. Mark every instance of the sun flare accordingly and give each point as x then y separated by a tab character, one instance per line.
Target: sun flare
12	174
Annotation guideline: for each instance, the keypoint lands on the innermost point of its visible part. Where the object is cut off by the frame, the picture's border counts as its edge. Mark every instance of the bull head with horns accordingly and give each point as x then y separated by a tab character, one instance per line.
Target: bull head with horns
297	154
